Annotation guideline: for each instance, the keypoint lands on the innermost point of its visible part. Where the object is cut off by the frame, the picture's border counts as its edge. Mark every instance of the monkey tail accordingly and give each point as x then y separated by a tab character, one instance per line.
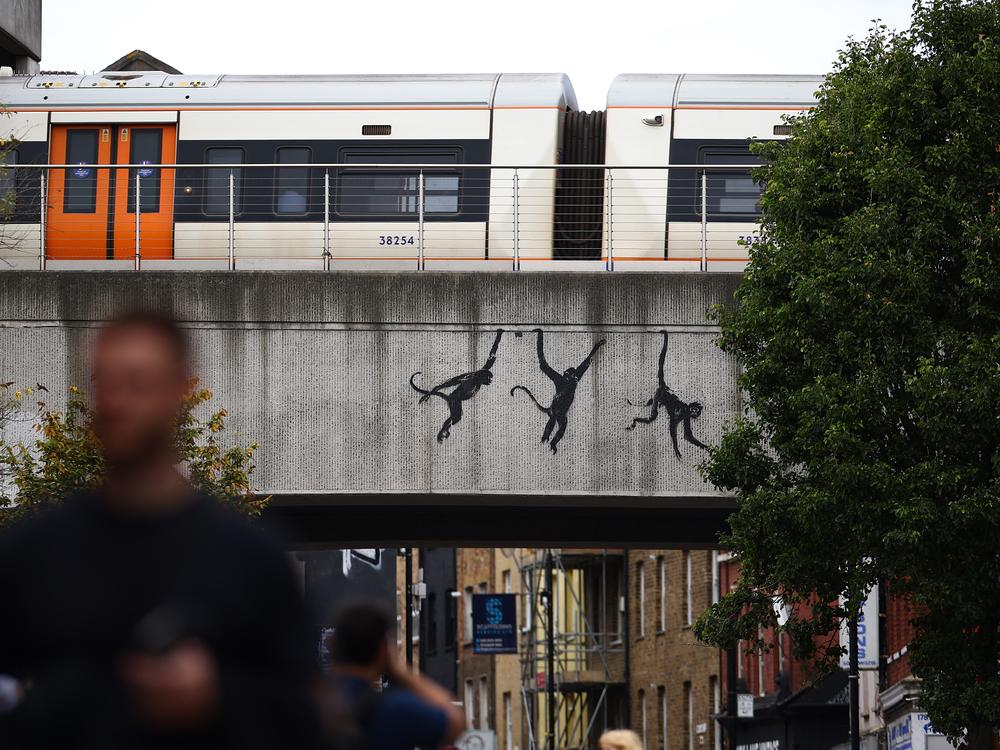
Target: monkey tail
544	409
426	394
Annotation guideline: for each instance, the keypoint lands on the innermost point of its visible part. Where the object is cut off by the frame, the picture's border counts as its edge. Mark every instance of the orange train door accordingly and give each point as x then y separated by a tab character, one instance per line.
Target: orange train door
144	144
77	221
91	212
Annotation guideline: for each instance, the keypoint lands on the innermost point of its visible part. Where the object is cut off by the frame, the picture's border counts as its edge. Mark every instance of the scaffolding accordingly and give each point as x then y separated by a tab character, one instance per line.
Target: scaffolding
584	654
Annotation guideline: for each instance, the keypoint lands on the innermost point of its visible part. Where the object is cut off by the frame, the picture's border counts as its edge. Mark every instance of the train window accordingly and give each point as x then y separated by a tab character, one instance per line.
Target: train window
80	195
8	184
145	149
395	192
731	192
291	184
217	181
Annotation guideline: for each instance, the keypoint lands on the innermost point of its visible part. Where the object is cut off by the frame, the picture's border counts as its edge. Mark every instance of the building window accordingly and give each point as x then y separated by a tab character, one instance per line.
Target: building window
470	703
640	582
619	606
507	587
291	184
760	663
661	586
145	149
664	726
715	576
484	703
467	606
482	588
396	192
716	691
8	184
80	193
688	597
508	721
216	201
642	713
689	717
450	618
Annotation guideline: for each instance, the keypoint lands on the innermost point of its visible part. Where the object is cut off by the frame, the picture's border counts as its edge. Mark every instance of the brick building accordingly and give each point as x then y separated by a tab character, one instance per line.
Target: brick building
673	678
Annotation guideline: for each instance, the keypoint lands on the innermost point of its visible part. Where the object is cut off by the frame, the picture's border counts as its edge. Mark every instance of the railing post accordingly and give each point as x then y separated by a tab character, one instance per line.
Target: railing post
43	203
326	220
517	227
704	220
420	222
138	212
611	251
232	221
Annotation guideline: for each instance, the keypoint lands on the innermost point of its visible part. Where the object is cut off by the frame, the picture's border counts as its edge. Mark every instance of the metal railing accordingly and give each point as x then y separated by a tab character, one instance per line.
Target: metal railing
360	216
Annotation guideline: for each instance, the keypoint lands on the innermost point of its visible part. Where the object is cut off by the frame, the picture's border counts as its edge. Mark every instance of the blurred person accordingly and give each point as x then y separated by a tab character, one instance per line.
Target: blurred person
620	739
413	711
143	614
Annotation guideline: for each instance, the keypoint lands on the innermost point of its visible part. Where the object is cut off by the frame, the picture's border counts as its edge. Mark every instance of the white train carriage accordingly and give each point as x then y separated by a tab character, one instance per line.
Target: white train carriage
477	171
289	214
692	120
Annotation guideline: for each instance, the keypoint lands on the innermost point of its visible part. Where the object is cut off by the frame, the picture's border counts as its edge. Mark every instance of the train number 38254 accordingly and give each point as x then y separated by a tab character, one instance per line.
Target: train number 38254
395	239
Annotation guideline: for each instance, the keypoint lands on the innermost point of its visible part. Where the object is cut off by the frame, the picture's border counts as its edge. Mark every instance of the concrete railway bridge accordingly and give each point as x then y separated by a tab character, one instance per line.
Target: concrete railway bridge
426	408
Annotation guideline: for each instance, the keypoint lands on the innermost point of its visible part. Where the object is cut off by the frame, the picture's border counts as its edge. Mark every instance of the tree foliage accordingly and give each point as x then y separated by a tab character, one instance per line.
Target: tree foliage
868	327
65	456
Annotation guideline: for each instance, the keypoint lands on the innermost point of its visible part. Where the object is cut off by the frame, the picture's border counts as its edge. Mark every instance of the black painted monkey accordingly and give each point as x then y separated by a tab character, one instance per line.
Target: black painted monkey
565	385
678	411
464	386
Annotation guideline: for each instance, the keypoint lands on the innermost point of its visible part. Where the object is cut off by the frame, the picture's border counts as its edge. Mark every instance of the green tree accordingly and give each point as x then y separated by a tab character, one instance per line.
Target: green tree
65	456
868	328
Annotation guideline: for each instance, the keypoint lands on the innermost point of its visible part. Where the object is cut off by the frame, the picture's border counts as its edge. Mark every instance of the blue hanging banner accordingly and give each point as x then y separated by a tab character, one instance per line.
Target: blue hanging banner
494	623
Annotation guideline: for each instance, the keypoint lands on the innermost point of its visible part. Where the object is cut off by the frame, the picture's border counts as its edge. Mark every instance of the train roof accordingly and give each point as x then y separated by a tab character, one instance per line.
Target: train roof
124	90
689	90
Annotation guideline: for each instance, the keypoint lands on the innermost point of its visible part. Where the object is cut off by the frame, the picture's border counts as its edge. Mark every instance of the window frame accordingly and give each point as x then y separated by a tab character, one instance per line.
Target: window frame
241	178
688	589
736	152
640	575
393	154
130	187
275	178
93	164
661	572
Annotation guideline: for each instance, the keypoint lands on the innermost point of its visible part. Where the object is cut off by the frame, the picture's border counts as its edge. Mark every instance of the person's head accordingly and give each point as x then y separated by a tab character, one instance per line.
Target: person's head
140	378
360	638
620	739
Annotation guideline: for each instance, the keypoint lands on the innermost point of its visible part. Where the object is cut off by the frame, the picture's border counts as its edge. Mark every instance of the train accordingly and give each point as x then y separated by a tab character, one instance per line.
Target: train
449	172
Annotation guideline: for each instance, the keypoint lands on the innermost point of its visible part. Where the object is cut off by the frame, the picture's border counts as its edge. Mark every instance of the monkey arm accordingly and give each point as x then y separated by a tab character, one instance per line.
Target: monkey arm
689	434
540	347
585	365
493	350
663	358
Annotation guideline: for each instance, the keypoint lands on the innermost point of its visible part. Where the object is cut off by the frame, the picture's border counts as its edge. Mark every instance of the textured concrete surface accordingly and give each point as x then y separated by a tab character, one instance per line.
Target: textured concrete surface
316	367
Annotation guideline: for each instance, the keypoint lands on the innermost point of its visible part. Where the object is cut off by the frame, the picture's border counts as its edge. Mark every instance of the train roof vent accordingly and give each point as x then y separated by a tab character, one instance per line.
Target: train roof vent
122	80
54	81
782	129
190	82
376	130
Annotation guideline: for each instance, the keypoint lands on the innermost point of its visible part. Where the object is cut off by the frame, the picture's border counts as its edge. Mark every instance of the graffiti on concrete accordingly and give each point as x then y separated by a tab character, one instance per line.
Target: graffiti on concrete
565	384
463	386
370	556
678	412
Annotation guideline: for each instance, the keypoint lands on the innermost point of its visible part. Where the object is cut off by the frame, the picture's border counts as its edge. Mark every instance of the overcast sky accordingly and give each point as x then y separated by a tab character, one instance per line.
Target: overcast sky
591	40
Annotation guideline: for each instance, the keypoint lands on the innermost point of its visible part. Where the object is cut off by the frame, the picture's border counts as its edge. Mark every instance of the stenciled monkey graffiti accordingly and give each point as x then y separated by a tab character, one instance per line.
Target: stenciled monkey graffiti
459	389
678	412
565	384
463	386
